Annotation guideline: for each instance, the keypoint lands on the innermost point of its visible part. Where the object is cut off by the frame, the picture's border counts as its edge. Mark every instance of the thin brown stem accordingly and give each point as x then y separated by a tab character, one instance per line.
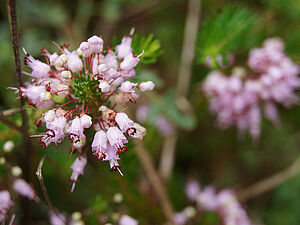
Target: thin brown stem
41	180
269	183
184	75
155	181
10	112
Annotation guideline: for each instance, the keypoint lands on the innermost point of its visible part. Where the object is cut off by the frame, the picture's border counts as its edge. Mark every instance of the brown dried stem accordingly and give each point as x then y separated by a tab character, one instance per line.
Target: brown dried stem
155	181
184	75
269	183
41	180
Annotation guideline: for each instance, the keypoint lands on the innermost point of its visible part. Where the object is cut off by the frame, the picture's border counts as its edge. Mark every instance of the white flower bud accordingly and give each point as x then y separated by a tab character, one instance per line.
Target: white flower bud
118	198
147	86
189	211
86	121
2	160
66	74
76	216
16	171
8	146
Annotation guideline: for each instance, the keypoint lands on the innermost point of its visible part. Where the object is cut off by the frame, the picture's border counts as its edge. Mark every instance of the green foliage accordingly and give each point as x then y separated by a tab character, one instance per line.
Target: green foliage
85	87
224	32
150	46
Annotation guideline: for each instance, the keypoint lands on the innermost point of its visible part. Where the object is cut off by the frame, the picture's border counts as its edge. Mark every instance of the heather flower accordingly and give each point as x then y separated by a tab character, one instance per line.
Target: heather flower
129	62
192	189
85	48
99	144
111	74
39	96
110	60
124	48
238	101
127	220
23	188
75	131
206	199
95	44
78	168
39	69
127	73
5	204
74	84
137	131
74	62
146	86
86	120
124	122
128	87
116	138
104	86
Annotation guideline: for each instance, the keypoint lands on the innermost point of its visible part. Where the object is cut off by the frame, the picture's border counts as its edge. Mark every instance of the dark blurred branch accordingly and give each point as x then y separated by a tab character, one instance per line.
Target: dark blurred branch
12	125
155	181
184	75
29	154
269	183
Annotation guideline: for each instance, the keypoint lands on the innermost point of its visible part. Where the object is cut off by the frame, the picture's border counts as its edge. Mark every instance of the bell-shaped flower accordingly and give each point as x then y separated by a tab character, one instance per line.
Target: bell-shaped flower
78	168
129	62
124	122
124	48
85	48
110	60
74	62
96	44
116	137
75	131
99	144
39	69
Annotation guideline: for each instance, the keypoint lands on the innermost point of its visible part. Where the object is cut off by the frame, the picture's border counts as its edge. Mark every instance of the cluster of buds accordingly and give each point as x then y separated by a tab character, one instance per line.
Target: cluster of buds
82	89
238	99
224	203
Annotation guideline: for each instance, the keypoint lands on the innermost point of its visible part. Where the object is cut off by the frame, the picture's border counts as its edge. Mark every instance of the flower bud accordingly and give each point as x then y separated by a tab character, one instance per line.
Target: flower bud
8	146
146	86
66	74
16	171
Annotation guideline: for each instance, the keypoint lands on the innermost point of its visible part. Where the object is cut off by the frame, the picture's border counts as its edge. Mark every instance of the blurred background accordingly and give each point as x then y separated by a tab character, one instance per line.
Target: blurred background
203	152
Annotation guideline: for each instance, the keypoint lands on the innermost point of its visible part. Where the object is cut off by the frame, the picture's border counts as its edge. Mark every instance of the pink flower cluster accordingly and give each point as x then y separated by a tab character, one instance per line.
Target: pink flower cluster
5	204
223	203
91	82
239	100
